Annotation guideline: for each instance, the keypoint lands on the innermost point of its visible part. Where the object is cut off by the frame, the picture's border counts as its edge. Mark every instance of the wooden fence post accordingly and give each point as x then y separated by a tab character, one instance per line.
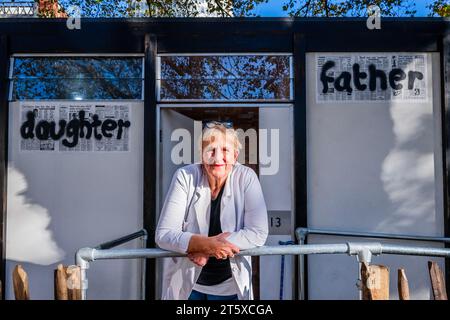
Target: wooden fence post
67	283
437	281
375	282
403	287
20	283
74	282
61	283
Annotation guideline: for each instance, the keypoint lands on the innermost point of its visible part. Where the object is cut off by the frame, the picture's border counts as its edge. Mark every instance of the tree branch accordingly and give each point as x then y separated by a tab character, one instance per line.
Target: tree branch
217	2
327	9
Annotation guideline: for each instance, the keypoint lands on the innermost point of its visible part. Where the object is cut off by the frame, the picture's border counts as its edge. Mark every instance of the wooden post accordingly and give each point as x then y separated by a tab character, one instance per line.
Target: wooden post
74	282
437	281
20	283
375	282
403	288
61	283
67	283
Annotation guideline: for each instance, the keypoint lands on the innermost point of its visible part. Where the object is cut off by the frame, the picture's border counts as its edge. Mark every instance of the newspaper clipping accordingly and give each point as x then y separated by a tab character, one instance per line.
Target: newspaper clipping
72	127
40	112
72	112
371	77
114	112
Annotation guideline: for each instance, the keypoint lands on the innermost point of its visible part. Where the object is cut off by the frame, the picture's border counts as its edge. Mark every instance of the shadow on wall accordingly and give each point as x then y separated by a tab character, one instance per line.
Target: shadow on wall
27	236
408	172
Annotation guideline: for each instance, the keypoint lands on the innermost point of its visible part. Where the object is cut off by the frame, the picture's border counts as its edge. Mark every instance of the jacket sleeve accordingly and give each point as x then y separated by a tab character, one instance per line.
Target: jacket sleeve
169	233
256	228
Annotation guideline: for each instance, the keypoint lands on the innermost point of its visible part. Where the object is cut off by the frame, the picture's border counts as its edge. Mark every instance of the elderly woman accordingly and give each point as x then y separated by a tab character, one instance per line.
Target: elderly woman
212	210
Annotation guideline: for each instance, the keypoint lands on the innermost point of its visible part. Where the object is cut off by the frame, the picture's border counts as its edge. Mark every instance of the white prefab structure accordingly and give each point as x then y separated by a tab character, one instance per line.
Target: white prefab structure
347	129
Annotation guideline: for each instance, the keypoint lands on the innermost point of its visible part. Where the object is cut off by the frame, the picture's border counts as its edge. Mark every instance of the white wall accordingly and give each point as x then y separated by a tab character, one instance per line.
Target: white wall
277	190
63	201
170	120
376	167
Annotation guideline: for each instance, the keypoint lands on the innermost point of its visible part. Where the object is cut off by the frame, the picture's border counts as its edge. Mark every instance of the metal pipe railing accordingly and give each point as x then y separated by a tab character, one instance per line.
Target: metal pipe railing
363	251
302	233
117	242
143	234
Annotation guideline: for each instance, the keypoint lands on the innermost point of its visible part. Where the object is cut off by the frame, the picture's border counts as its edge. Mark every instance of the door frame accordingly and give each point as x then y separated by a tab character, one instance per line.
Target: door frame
289	106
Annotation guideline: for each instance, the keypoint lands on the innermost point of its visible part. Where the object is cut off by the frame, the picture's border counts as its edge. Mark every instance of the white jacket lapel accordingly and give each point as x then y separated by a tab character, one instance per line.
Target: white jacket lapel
227	210
202	204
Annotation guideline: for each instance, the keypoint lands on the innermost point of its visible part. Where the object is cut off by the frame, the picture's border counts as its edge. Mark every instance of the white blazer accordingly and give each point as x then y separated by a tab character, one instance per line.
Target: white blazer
186	212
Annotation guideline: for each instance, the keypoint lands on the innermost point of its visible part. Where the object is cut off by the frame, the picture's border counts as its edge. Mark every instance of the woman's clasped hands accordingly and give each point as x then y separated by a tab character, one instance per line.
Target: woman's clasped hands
201	248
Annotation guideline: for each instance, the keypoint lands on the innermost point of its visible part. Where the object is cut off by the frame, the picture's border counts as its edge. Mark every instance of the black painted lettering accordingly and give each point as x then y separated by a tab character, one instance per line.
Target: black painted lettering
377	78
412	76
108	125
357	76
84	124
323	75
95	124
72	131
121	124
43	130
394	76
61	130
343	82
27	128
374	73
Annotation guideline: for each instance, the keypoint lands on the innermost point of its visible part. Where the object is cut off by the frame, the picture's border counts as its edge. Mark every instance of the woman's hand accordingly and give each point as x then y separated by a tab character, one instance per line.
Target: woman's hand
216	246
221	248
199	259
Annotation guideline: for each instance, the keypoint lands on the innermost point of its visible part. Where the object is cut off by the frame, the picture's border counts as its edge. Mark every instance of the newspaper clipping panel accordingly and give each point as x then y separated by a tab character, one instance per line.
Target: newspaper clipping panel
41	112
406	62
114	112
71	112
53	113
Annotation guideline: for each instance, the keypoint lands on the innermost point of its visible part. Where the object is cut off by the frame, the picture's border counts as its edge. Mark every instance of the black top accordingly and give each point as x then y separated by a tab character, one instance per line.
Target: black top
215	271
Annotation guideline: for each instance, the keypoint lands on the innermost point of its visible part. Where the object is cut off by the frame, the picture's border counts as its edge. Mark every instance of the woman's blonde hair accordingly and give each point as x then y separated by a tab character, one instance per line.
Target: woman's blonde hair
212	131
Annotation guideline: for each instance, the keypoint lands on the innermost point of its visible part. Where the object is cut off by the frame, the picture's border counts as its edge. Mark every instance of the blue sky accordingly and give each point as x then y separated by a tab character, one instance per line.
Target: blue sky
274	8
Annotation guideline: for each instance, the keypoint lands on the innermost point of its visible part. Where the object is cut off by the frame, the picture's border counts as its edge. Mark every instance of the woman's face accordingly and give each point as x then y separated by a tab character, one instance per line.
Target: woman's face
219	155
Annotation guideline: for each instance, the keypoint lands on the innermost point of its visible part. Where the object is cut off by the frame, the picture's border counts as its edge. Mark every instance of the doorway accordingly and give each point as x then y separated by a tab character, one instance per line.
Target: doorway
266	135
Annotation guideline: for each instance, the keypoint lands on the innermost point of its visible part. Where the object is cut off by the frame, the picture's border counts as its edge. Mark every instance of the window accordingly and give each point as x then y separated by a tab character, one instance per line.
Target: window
225	78
76	78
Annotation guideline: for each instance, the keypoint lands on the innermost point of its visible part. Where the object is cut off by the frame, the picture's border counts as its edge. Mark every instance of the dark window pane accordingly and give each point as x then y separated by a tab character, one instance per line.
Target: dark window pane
81	77
225	89
79	67
73	89
249	77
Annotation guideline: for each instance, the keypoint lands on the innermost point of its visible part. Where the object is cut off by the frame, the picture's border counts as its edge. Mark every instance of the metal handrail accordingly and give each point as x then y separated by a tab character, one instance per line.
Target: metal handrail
363	251
143	234
301	234
117	242
86	255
